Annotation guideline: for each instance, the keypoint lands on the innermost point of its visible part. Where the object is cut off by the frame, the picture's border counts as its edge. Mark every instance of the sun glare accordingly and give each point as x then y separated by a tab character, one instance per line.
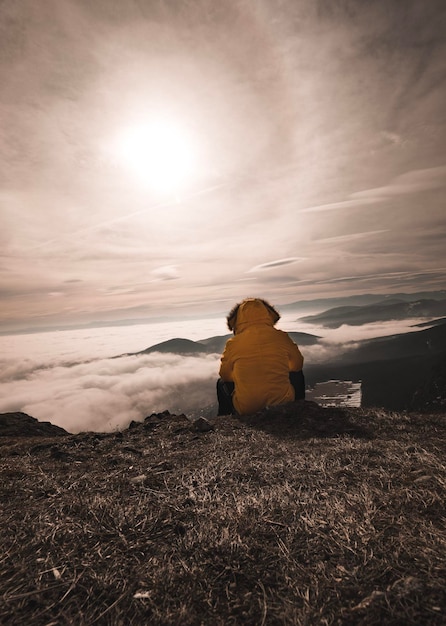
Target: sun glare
161	154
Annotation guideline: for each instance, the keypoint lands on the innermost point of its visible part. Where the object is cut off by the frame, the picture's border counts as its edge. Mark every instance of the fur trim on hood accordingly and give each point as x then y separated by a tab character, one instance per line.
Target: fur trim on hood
251	311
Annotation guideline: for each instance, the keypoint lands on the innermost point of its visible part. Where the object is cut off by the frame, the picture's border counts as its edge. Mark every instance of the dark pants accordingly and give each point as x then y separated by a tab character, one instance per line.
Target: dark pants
225	391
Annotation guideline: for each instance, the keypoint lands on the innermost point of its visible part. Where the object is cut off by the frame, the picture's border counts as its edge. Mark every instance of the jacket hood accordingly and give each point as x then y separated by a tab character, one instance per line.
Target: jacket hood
251	311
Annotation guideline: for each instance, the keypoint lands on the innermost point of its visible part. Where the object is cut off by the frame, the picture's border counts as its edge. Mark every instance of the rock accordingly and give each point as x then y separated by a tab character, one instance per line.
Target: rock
157	416
152	421
60	455
22	425
202	425
138	480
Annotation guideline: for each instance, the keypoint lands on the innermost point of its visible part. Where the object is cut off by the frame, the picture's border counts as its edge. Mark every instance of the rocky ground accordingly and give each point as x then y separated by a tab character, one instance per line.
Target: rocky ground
296	515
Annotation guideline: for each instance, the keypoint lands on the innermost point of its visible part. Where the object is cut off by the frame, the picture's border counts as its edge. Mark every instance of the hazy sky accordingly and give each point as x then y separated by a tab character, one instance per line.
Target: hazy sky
171	156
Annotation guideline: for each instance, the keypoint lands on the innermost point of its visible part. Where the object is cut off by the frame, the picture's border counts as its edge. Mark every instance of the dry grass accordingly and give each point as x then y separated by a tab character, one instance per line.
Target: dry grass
299	516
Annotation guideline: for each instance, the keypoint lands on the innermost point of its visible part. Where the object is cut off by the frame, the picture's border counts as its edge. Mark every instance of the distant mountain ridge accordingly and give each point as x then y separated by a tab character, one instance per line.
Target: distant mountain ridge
361	300
211	345
380	312
318	304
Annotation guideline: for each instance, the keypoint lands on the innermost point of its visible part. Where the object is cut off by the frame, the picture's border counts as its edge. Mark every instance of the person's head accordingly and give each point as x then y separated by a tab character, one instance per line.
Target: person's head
256	308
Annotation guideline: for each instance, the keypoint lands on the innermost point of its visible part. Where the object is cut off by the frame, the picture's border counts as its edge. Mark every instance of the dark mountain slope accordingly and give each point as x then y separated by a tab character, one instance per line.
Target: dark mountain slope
437	322
175	346
429	342
394	371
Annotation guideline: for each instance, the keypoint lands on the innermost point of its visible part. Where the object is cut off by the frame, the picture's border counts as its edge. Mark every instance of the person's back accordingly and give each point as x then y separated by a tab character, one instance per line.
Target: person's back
259	358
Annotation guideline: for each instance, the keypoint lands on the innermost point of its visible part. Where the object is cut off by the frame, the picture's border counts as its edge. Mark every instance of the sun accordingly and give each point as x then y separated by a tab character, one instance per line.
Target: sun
161	154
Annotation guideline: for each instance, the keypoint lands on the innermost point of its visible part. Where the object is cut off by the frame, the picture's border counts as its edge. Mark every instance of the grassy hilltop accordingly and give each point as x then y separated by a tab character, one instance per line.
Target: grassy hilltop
298	515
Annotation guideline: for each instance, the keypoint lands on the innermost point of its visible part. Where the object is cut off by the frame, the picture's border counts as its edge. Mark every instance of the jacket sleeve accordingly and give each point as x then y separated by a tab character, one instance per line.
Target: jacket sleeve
295	358
227	363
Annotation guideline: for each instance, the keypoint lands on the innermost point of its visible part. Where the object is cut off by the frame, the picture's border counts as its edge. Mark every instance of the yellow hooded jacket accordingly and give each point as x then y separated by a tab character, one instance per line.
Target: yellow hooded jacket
258	359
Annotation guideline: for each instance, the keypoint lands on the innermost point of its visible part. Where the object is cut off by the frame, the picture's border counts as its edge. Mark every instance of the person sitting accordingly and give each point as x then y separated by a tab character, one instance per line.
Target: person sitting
261	365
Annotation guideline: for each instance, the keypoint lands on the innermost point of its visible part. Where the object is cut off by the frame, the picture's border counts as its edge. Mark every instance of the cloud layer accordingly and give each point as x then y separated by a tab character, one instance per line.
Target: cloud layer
106	394
60	385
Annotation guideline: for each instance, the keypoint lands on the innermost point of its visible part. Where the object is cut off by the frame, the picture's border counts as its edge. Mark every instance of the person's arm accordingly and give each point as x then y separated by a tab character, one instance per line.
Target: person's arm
226	364
295	358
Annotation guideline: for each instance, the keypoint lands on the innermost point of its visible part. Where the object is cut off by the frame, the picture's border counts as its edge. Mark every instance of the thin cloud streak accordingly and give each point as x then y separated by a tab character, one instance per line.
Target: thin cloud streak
411	182
343	204
352	237
408	183
273	264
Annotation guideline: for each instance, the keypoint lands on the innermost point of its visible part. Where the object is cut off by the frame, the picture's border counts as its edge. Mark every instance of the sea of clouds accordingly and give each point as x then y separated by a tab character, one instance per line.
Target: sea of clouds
72	378
106	394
